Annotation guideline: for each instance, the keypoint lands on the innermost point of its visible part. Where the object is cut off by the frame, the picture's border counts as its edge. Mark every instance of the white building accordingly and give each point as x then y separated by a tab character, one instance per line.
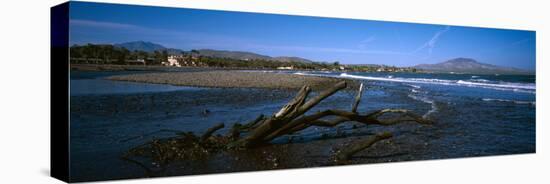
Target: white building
172	61
285	68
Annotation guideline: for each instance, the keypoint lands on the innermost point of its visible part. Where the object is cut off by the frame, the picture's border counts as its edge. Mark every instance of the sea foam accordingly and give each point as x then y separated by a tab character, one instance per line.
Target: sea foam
508	101
517	87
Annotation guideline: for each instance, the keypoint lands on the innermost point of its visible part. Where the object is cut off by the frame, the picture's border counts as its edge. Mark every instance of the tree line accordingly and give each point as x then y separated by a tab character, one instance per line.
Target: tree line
109	54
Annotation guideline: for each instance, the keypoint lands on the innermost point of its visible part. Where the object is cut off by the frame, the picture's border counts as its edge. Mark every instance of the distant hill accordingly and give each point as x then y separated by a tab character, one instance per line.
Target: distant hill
240	55
248	56
141	46
295	59
232	54
470	66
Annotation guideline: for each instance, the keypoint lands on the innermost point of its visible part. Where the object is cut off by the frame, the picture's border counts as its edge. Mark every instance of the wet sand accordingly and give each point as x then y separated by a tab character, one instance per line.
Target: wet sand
234	79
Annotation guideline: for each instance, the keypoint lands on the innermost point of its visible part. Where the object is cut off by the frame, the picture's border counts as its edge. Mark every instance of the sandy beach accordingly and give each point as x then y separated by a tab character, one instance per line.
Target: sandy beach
234	79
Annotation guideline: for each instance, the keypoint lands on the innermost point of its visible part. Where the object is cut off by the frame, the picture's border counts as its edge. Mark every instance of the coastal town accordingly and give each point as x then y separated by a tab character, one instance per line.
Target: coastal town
112	55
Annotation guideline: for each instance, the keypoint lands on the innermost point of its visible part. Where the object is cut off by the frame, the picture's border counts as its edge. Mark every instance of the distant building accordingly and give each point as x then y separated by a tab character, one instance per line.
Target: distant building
285	68
172	61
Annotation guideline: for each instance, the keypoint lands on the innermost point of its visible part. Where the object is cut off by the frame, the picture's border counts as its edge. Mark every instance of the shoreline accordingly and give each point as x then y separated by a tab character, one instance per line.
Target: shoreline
117	68
235	79
112	67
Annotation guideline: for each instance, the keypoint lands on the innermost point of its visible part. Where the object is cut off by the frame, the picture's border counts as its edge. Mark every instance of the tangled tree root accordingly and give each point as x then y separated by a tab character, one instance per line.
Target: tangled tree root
290	119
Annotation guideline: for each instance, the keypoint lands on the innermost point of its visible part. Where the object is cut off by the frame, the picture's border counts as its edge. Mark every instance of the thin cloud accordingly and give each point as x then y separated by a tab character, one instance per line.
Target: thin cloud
431	43
366	41
326	49
166	37
369	39
101	24
225	42
520	42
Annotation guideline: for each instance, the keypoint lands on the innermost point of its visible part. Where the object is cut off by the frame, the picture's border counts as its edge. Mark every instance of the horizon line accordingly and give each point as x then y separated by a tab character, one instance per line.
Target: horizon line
229	50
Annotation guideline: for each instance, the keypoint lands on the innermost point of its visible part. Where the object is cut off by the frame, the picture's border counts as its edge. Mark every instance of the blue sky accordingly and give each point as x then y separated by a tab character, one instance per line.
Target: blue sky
320	39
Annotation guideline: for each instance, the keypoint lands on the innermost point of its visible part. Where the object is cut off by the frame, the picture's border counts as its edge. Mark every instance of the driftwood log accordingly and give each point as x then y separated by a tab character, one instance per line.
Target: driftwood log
291	118
345	154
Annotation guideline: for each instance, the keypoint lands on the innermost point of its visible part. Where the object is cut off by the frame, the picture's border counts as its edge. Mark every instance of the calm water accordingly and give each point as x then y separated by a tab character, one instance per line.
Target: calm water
476	115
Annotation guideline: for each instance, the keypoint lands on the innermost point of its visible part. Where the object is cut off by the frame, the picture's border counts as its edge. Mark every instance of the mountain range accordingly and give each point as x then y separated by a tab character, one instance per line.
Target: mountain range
470	66
141	46
240	55
457	65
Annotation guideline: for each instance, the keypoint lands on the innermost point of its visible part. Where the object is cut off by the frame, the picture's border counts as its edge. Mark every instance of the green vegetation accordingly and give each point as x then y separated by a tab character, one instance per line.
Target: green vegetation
260	63
109	54
380	68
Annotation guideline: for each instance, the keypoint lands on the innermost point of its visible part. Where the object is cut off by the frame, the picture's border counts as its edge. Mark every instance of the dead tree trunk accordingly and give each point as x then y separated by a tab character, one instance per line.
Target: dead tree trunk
345	154
357	99
289	119
286	115
210	131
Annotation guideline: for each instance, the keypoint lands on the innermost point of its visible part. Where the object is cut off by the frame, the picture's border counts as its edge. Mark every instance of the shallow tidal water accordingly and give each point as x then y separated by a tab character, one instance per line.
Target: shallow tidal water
474	115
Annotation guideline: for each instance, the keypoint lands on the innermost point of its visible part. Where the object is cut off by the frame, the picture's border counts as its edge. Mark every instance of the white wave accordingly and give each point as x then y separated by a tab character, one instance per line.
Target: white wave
428	101
405	80
414	86
474	76
312	74
500	85
480	80
509	101
517	87
433	110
